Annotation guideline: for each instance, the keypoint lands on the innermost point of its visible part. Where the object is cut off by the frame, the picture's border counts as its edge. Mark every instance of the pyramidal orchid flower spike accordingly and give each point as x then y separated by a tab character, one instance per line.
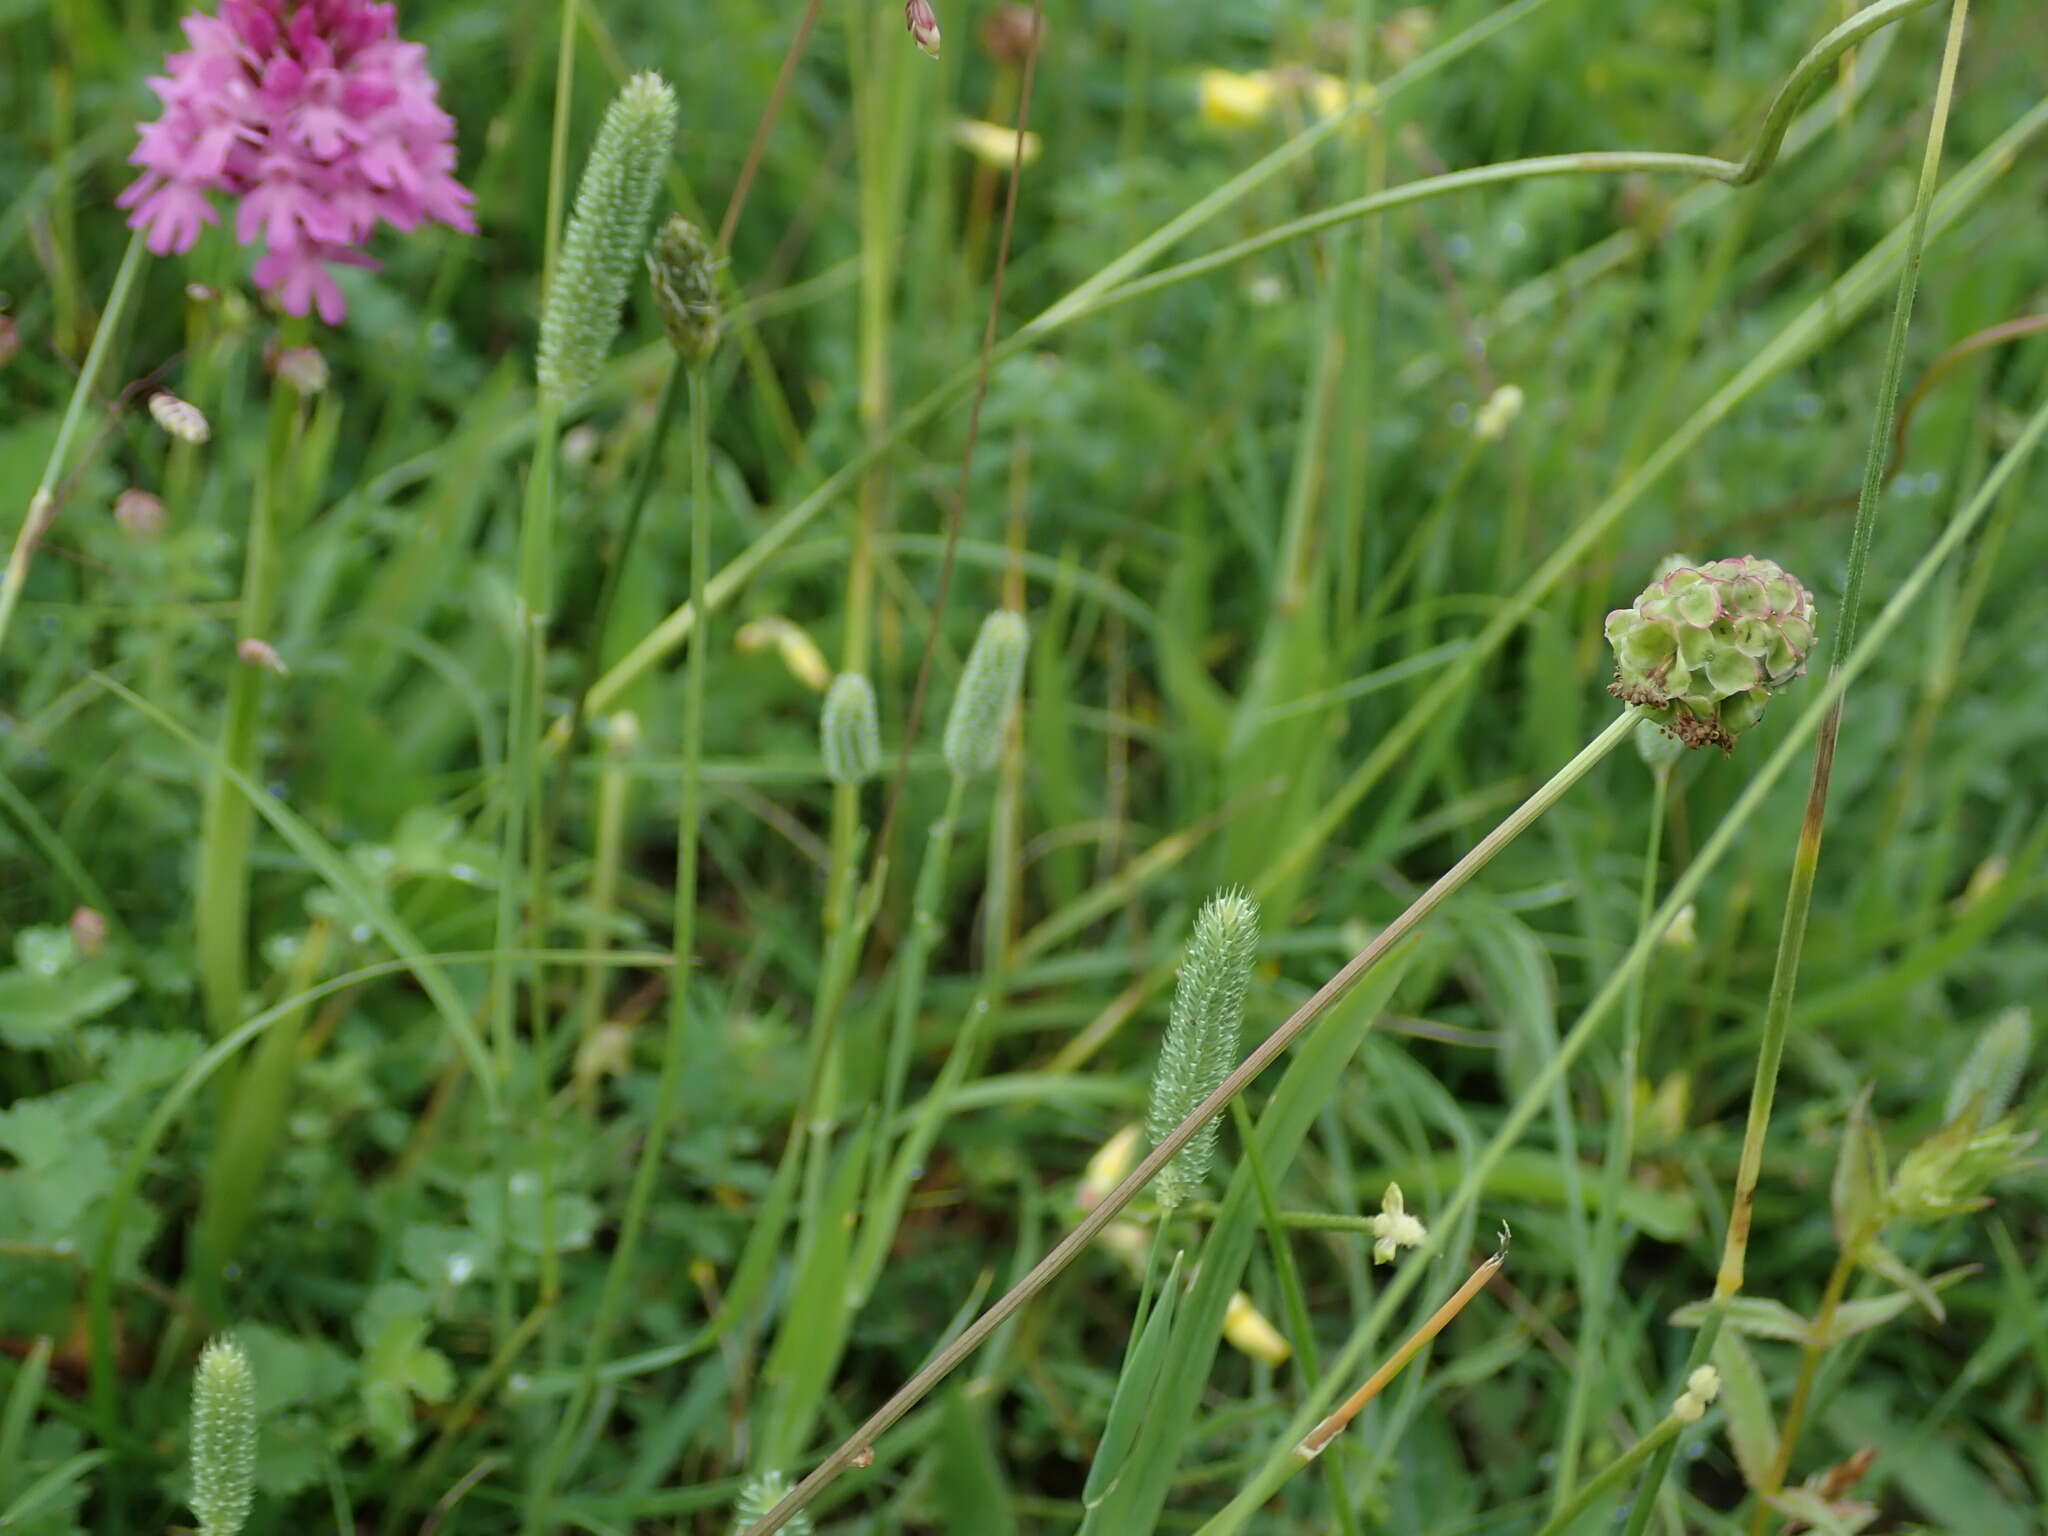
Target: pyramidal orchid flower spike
1704	647
317	122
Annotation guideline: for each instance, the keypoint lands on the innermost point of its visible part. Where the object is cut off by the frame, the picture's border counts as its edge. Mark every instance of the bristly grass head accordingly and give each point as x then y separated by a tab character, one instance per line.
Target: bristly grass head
223	1439
683	272
761	1493
606	235
1201	1044
989	685
849	734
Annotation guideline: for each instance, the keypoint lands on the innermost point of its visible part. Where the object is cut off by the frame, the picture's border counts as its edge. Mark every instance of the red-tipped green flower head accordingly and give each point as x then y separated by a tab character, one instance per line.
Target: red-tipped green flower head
1704	647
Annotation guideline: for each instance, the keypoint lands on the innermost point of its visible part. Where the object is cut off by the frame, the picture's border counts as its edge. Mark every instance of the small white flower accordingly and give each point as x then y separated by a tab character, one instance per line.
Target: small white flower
181	418
1704	1384
1394	1229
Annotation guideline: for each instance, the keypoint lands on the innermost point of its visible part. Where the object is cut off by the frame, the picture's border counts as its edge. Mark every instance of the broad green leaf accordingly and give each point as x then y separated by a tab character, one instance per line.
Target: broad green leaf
1757	1316
1752	1430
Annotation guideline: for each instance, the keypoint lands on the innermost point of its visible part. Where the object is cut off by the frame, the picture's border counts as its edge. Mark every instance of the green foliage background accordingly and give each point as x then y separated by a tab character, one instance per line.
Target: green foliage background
1209	487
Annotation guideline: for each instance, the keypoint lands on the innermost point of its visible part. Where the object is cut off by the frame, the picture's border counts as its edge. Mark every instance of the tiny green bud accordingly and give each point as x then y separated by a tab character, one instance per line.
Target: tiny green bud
1703	648
1984	1085
989	685
223	1439
680	269
1201	1044
848	733
1659	750
761	1493
581	316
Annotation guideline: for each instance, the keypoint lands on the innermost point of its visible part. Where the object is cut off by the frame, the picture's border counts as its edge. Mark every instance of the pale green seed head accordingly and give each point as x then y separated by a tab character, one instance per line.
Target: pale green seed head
606	235
1201	1044
1984	1085
989	686
761	1493
223	1439
849	734
683	274
1704	647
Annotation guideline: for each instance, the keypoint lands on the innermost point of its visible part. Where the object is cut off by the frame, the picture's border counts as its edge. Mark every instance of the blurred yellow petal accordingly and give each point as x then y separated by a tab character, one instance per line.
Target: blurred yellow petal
1329	94
1230	100
799	651
992	144
1106	1169
1250	1334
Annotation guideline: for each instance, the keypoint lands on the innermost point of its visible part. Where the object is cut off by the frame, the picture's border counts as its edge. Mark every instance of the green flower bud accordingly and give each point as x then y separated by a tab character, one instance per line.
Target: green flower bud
762	1493
1985	1083
680	269
1704	647
606	231
848	734
1201	1044
223	1439
989	685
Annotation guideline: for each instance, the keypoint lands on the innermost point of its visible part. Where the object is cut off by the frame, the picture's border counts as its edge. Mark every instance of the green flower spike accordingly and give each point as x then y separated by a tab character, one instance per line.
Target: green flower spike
607	231
223	1439
849	736
989	685
1704	647
1201	1045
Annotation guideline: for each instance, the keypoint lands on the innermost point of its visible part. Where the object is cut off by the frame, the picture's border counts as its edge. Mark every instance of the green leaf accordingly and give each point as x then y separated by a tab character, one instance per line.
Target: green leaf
967	1479
1886	1265
1133	1397
37	1012
1752	1430
1854	1317
398	1365
1856	1195
1757	1316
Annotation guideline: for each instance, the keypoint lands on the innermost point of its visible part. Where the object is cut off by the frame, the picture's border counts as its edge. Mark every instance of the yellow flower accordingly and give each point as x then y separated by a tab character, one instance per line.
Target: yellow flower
1328	94
992	144
1106	1169
1231	100
1249	1332
799	651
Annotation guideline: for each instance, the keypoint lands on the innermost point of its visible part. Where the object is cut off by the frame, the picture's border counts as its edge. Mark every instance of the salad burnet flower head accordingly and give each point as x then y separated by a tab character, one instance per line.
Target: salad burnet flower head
316	121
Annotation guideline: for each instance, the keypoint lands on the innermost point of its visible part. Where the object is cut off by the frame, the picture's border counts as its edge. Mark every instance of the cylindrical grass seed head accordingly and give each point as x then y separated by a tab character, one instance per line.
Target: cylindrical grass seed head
1201	1045
849	733
683	274
989	685
1704	647
761	1493
606	233
223	1439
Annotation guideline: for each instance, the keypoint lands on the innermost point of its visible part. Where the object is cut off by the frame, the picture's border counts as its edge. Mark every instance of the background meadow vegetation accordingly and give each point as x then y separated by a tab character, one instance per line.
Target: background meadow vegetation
1308	616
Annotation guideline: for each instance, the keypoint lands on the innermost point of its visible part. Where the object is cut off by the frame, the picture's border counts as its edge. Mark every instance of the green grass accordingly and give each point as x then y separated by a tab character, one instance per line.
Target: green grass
378	1056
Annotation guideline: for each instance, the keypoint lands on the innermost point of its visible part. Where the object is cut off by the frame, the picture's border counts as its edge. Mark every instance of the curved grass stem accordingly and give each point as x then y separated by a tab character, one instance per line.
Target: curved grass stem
42	505
1806	856
1262	1056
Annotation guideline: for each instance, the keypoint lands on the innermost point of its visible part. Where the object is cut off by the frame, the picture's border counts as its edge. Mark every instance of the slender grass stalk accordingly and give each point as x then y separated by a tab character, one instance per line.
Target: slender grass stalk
676	1046
221	894
1110	287
1262	1056
1536	1094
42	505
1607	1253
1663	1438
1319	1438
1806	854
